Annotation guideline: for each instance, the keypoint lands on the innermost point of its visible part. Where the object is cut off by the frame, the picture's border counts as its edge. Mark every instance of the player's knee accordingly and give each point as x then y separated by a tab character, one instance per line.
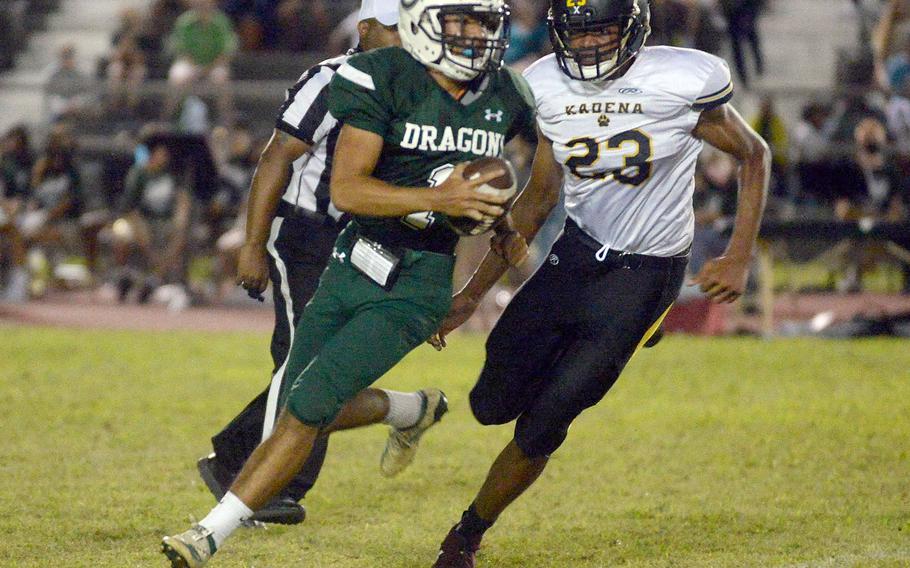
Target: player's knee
536	440
488	413
488	404
313	401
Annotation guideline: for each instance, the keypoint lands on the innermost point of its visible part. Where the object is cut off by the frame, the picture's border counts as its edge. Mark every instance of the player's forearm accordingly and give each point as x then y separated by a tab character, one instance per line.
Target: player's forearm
754	175
529	213
366	195
271	177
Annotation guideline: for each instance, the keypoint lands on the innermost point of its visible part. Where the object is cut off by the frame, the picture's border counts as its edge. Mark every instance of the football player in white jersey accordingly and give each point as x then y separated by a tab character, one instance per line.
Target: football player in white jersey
620	129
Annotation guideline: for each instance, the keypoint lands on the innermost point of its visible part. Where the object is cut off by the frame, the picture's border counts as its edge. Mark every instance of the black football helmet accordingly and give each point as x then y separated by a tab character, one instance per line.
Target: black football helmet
572	17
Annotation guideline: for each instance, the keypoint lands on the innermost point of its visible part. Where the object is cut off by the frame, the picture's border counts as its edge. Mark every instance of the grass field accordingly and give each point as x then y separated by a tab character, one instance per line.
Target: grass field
720	452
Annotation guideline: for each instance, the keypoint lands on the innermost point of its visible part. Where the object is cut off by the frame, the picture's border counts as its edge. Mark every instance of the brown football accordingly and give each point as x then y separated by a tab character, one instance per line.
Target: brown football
504	183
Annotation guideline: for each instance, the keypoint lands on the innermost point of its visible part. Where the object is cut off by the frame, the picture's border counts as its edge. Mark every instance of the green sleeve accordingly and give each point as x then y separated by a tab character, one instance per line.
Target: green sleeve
359	94
527	110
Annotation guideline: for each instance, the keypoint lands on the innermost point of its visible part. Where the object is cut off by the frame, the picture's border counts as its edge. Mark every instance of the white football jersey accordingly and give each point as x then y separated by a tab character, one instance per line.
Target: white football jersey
626	145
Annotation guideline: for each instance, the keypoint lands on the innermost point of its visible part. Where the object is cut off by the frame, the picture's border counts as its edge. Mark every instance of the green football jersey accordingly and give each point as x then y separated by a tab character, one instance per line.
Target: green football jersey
425	130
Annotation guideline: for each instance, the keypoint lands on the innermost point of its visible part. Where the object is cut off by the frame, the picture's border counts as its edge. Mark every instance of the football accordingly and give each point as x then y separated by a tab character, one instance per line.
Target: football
506	183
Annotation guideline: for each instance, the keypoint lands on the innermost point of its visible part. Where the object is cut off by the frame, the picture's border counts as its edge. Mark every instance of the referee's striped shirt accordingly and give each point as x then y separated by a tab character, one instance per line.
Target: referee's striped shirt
305	115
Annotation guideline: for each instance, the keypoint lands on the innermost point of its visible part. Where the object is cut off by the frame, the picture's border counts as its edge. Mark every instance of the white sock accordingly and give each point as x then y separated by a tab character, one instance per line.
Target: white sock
226	517
404	409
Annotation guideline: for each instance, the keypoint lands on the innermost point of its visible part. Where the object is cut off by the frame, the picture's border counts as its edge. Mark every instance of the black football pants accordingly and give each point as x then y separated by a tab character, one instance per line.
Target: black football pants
566	336
299	248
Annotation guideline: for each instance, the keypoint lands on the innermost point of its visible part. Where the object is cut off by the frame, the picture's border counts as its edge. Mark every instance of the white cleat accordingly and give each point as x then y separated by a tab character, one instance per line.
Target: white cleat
401	446
190	549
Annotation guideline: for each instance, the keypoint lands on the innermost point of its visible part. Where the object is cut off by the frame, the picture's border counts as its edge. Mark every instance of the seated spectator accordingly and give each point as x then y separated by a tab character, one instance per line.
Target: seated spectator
714	203
126	69
16	153
69	92
884	186
232	151
150	236
13	189
811	152
529	38
882	200
49	220
202	43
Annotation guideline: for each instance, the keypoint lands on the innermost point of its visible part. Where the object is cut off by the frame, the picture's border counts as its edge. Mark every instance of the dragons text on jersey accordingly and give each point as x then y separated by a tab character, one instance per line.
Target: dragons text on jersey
425	131
426	137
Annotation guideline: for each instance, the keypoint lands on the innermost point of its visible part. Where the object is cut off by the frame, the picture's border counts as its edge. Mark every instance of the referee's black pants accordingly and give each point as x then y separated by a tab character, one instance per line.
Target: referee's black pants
299	248
567	335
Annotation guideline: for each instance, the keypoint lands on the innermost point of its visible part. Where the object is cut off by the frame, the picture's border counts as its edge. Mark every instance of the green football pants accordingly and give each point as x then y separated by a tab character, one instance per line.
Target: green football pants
353	331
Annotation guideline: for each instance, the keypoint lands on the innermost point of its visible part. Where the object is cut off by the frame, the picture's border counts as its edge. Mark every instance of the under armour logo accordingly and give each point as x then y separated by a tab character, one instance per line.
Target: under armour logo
490	115
339	256
553	259
576	10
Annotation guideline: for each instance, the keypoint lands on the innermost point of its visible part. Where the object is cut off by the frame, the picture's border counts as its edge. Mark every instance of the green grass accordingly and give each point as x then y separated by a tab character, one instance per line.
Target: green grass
719	452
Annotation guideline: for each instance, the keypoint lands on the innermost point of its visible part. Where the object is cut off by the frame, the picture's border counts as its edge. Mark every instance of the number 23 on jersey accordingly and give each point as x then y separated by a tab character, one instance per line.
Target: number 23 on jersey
634	147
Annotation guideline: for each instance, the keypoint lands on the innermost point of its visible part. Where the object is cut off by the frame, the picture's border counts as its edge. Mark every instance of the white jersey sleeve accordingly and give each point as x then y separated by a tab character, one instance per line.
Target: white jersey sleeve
718	86
626	144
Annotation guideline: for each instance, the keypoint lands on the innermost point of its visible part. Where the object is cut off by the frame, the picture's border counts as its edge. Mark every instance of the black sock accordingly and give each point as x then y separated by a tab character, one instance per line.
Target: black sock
471	525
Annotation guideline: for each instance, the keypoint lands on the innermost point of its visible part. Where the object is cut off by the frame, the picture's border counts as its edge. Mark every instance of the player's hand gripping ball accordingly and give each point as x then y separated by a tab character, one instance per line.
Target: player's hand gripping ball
506	183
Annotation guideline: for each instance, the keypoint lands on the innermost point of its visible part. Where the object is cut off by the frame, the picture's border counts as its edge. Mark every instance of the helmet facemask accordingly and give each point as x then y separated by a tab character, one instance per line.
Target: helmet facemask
599	62
444	25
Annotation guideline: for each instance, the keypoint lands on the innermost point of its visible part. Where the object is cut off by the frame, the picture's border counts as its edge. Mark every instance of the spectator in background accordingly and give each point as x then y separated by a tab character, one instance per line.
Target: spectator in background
811	151
882	200
50	217
770	126
203	43
529	39
152	230
742	26
714	203
256	22
884	186
304	25
13	189
16	154
69	93
706	25
158	22
671	23
126	69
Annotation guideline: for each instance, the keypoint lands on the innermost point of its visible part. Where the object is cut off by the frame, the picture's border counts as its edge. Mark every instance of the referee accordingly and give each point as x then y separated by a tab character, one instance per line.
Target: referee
291	227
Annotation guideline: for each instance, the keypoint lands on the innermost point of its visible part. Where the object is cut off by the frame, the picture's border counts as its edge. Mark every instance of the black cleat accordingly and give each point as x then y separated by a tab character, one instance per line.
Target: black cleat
281	511
457	551
216	478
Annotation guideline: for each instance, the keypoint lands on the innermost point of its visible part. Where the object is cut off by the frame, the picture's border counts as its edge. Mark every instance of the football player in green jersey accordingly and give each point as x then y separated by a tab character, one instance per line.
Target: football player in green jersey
412	117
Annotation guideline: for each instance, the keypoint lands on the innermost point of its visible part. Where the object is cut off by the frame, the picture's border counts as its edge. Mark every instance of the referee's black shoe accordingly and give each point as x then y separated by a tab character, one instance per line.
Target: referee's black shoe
282	510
